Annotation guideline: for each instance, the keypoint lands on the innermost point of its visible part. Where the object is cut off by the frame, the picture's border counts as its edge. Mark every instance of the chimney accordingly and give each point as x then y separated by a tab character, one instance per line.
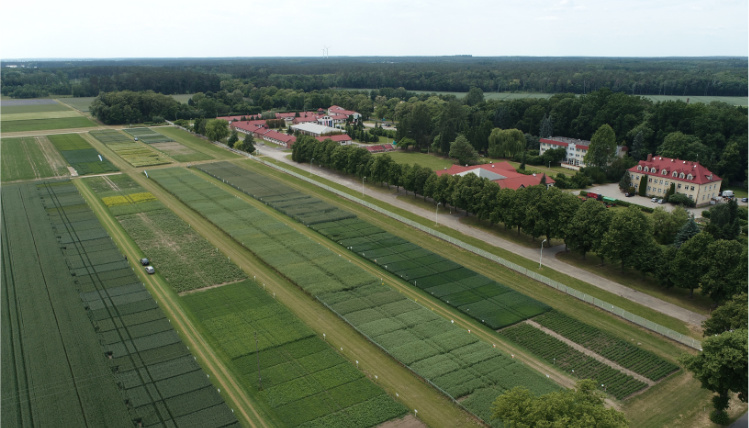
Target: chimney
650	157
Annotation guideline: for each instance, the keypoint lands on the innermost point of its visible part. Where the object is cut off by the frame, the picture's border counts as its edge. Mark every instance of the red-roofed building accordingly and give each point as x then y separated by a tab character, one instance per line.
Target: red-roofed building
501	173
576	149
340	111
689	178
338	138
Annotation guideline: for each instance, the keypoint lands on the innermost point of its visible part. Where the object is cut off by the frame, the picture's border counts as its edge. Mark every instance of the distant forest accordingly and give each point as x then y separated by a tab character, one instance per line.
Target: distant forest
717	76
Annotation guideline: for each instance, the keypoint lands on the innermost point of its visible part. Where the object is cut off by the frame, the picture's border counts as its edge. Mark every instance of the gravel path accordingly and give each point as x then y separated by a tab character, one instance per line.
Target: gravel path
453	221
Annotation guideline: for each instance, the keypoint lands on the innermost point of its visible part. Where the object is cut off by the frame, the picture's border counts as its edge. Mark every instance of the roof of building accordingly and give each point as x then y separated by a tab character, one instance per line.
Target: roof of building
338	138
564	141
501	173
340	110
314	128
699	174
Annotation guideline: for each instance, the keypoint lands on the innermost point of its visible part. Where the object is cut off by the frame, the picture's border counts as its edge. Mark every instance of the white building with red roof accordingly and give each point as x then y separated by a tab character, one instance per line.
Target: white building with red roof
689	178
576	149
501	173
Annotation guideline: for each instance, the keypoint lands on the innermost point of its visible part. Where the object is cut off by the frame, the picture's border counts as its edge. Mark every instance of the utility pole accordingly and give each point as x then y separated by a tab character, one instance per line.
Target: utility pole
257	352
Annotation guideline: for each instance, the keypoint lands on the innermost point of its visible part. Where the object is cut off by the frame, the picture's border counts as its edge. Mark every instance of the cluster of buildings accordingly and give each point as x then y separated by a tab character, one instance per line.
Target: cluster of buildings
321	124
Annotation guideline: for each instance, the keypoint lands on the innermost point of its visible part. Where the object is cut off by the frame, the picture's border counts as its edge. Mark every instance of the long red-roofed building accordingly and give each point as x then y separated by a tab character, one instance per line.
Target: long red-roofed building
501	173
689	178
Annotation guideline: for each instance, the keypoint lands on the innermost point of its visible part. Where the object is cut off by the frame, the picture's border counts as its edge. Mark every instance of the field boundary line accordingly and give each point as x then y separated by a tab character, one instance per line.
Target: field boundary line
606	306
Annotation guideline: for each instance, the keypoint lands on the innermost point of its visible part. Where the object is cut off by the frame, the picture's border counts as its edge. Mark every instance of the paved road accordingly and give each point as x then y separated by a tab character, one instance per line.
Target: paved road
453	221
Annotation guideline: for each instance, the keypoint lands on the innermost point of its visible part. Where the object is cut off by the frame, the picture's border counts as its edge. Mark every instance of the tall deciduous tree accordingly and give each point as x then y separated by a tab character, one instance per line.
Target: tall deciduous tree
505	143
588	226
463	151
724	221
581	407
667	224
602	149
216	129
732	315
689	264
721	367
720	281
629	239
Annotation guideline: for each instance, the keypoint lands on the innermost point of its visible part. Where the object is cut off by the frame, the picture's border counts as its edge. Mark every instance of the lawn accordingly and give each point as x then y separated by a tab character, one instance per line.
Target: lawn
430	161
196	143
82	104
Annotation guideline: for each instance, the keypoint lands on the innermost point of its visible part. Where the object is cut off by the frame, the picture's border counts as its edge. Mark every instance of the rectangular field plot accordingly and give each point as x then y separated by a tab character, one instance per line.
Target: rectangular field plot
196	143
615	349
179	152
79	154
401	327
46	124
184	258
303	379
147	135
133	152
12	110
576	363
28	158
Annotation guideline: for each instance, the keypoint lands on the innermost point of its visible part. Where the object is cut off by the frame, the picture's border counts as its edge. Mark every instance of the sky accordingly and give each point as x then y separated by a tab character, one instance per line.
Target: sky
294	28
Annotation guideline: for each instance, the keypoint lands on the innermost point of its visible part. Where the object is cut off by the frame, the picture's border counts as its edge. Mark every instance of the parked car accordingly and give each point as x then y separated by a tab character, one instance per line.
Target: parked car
660	201
654	200
144	261
136	138
150	270
744	199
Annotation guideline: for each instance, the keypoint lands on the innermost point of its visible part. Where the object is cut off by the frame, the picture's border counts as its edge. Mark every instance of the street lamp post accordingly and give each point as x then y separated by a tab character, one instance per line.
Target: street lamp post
362	185
542	254
311	161
435	212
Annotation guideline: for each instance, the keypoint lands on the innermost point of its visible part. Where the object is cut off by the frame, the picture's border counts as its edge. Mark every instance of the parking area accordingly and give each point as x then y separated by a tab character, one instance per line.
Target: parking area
612	190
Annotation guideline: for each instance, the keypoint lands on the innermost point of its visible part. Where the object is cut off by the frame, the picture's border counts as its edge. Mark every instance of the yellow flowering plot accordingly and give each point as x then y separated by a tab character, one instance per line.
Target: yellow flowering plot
133	198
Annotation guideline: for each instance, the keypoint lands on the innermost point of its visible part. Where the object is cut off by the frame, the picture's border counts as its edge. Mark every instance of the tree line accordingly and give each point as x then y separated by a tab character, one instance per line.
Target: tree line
668	246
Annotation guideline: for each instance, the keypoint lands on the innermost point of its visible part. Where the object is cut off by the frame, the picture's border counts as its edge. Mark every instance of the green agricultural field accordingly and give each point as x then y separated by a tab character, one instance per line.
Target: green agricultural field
46	124
158	380
53	371
80	155
27	158
135	153
196	143
357	296
183	257
281	362
82	104
39	106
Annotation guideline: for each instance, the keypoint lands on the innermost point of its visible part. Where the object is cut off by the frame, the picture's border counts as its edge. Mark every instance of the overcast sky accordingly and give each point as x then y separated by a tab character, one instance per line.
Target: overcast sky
189	28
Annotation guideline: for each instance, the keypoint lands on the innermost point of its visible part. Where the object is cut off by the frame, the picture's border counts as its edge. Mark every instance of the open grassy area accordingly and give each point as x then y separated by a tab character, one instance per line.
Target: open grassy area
423	159
82	104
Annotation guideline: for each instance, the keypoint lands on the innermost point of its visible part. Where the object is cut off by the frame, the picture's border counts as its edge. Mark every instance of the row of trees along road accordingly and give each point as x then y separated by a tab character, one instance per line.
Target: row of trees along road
668	246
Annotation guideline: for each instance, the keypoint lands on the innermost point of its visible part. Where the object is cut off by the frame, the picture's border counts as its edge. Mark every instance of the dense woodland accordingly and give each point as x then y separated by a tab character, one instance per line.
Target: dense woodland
720	76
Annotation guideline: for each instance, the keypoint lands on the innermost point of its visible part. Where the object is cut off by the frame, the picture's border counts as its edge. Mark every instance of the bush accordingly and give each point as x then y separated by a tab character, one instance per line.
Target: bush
719	417
680	199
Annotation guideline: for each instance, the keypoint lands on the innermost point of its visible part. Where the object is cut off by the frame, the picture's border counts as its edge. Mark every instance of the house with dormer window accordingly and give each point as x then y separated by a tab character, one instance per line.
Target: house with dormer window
689	178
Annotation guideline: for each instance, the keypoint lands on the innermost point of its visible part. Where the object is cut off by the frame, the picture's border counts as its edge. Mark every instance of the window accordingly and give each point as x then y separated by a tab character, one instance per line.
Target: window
664	172
661	182
692	188
674	174
689	177
650	180
681	175
678	186
648	188
639	167
652	169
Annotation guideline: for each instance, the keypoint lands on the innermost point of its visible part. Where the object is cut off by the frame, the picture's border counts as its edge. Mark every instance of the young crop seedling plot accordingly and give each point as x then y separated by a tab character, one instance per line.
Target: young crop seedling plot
184	258
414	333
133	152
79	154
283	364
147	135
576	363
620	351
196	143
152	368
27	158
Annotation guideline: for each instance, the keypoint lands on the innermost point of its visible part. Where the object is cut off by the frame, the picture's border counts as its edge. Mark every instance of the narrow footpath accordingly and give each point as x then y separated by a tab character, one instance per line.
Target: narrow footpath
453	221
